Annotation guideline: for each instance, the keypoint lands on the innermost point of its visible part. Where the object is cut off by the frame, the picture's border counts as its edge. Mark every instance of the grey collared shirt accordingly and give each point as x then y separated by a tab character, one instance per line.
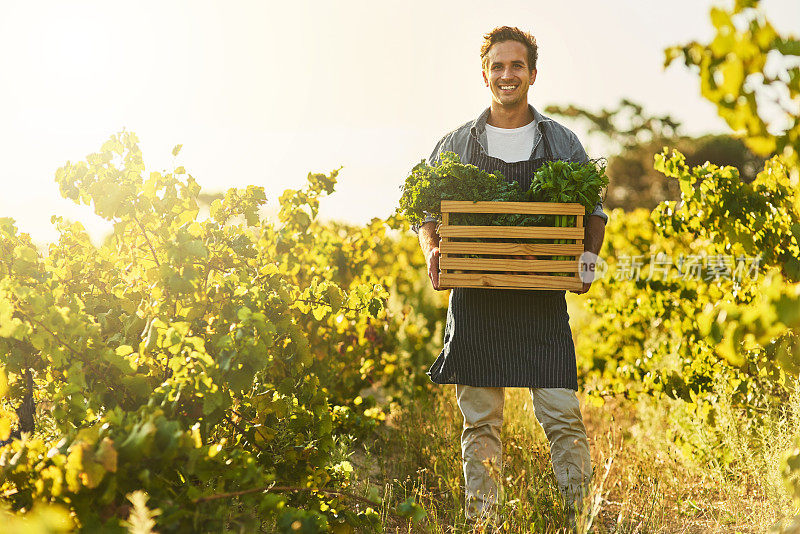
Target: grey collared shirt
563	142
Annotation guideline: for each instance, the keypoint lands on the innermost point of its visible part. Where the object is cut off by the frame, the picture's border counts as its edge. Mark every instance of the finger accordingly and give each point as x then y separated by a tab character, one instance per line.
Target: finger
433	274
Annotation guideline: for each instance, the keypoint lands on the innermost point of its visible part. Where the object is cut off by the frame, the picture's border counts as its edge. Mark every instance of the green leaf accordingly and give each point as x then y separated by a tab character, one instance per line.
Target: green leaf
788	46
412	510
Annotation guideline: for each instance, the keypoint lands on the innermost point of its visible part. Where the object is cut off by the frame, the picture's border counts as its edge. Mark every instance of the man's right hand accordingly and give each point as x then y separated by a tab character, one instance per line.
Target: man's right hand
433	267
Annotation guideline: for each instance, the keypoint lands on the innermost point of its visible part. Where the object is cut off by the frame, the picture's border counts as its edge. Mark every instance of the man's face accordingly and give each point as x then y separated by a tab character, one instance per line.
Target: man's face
507	74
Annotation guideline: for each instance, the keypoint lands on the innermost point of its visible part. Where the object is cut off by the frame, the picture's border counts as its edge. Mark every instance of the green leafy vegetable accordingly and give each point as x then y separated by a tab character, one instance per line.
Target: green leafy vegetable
556	181
562	181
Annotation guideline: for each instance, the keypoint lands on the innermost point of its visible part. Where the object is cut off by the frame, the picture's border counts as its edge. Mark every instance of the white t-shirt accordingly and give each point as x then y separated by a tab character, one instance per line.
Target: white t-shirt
510	144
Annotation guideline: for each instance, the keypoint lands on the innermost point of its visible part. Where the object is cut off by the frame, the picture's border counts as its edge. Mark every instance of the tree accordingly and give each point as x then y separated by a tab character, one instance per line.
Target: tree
637	137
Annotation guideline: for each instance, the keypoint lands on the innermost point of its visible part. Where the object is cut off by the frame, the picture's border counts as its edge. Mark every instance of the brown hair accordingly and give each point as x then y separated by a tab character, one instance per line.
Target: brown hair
509	33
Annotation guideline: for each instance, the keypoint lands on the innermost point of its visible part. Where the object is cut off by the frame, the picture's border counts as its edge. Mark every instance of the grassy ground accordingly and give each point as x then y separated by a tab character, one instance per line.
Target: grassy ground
642	484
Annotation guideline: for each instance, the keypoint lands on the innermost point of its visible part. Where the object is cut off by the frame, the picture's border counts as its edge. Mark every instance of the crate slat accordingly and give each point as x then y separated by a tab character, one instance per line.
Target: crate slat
579	220
540	249
505	232
528	208
443	241
487	264
509	272
508	281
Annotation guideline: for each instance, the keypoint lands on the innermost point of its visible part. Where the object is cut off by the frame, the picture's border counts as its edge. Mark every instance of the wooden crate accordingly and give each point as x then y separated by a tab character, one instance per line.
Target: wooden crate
491	269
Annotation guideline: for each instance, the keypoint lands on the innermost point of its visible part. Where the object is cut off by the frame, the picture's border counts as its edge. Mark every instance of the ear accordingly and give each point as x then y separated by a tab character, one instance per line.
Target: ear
533	76
485	79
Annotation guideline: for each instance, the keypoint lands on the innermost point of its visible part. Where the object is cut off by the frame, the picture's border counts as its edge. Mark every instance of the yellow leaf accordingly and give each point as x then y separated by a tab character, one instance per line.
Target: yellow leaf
320	312
720	18
92	475
74	466
596	401
107	455
5	426
732	75
761	145
124	350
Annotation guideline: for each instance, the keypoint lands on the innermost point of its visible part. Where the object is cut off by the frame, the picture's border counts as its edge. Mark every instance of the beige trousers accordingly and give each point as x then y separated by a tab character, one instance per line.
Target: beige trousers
557	410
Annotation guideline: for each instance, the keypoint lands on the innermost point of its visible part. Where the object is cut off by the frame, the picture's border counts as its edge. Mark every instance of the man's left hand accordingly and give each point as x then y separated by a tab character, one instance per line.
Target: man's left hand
584	289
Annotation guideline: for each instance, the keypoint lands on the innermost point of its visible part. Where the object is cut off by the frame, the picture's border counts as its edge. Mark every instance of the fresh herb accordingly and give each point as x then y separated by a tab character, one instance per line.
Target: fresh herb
556	181
564	181
428	185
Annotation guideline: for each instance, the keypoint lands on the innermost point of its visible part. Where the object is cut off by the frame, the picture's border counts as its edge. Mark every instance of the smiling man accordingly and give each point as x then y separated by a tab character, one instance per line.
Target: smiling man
497	338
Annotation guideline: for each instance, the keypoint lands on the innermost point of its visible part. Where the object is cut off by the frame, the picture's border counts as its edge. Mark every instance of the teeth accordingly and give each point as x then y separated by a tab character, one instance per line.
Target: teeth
507	87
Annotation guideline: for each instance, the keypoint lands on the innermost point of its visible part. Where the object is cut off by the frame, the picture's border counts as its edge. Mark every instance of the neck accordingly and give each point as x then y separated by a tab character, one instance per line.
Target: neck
509	117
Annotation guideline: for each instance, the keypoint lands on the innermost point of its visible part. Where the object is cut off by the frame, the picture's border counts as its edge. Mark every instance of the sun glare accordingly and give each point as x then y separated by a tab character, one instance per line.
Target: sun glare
75	50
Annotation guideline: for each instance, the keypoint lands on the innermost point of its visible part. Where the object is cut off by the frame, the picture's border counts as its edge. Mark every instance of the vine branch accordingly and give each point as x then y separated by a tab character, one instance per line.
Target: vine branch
242	431
149	243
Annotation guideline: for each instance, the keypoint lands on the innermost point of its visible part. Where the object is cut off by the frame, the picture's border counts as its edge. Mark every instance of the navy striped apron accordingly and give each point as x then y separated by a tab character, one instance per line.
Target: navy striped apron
507	337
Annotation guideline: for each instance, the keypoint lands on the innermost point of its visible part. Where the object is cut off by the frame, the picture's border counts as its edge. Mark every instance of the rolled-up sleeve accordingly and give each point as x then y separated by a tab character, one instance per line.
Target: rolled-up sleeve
429	218
598	211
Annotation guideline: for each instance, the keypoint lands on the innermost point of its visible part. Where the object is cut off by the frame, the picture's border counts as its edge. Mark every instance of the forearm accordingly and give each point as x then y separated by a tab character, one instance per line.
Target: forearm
428	238
593	234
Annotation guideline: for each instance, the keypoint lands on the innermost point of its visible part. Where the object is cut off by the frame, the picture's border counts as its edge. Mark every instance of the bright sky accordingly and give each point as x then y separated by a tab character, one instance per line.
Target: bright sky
263	92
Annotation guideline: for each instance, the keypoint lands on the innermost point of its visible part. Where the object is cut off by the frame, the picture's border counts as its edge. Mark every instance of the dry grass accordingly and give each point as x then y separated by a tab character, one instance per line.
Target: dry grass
642	482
